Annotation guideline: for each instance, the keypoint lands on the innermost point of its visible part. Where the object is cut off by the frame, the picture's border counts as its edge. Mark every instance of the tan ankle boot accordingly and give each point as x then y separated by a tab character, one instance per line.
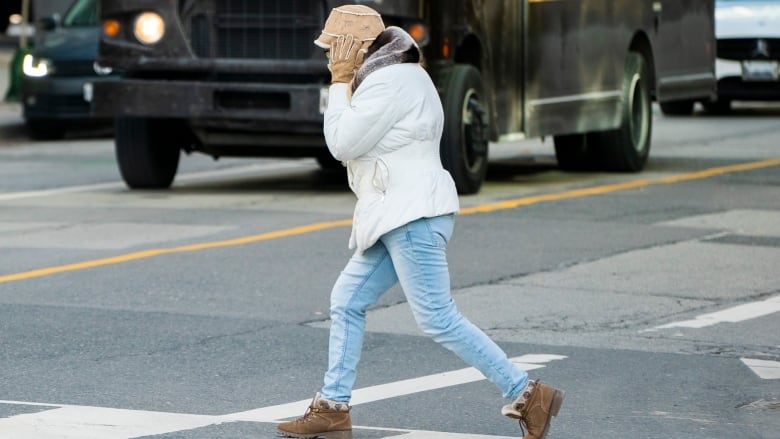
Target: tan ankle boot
324	418
534	408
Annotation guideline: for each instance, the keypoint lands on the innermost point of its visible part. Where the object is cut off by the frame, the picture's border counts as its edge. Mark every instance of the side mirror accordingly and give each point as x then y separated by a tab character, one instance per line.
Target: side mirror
49	23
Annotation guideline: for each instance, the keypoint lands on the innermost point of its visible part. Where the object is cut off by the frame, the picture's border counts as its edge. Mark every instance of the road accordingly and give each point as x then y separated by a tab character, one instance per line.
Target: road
652	299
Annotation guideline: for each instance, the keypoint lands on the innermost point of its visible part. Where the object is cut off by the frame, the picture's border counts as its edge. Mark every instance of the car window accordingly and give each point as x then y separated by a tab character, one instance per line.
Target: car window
83	13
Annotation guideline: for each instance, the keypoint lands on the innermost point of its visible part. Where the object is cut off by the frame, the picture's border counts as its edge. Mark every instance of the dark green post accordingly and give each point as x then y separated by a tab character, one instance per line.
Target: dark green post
15	87
15	67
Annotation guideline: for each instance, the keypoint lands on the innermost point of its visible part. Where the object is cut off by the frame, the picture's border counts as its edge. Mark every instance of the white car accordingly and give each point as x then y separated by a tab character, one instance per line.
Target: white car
748	53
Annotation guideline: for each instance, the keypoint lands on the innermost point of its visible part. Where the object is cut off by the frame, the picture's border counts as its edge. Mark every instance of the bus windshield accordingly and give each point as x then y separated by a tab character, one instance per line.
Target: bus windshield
84	13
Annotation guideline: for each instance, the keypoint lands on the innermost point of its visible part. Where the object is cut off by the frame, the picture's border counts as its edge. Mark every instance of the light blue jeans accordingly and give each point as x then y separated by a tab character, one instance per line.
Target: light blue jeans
415	256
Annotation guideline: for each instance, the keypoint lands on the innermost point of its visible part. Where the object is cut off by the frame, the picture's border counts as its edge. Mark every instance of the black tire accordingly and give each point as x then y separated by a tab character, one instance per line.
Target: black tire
627	148
464	143
147	152
677	108
45	129
574	153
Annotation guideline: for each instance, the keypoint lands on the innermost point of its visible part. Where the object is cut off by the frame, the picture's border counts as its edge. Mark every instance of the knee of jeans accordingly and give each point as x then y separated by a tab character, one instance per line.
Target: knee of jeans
344	309
435	326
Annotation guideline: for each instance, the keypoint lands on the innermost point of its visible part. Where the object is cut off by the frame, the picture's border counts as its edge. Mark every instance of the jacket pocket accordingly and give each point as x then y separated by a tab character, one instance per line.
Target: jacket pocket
381	177
350	176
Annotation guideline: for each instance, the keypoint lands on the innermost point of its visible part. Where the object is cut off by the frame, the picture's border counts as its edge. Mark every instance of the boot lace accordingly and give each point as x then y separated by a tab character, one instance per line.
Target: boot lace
308	416
522	424
526	397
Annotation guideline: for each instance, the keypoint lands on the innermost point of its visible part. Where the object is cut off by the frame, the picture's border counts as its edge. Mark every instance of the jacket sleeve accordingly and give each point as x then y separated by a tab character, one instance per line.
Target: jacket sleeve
354	128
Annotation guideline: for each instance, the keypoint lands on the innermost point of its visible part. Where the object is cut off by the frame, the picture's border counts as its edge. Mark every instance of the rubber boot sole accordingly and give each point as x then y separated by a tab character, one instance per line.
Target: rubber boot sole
341	434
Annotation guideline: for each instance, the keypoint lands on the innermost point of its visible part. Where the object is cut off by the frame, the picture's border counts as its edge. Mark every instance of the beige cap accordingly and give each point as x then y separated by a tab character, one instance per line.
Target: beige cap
359	21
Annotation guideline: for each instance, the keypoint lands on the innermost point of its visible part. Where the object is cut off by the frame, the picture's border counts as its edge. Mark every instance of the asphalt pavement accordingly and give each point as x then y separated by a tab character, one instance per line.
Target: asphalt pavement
198	313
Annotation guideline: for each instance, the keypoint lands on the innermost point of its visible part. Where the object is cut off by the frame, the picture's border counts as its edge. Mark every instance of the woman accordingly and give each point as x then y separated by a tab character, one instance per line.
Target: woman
384	121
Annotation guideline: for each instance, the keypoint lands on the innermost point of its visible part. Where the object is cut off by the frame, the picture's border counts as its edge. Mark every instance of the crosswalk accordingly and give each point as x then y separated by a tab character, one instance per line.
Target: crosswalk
57	421
63	421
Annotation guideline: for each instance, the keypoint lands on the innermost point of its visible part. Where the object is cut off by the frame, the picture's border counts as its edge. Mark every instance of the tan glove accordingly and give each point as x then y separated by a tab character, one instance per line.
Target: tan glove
346	56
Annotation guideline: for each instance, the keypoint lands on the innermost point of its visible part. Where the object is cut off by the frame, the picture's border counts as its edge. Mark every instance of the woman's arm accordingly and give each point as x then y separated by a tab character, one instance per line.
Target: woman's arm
354	128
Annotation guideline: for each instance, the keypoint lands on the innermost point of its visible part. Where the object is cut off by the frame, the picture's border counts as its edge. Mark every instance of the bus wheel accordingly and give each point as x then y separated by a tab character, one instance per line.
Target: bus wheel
573	152
627	148
464	143
147	152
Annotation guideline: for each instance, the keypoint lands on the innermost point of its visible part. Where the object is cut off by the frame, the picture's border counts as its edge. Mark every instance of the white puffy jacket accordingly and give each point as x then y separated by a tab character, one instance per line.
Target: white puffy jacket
388	135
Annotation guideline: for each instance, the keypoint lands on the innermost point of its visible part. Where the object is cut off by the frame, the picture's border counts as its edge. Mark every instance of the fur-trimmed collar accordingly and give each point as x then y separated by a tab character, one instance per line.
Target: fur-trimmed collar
392	46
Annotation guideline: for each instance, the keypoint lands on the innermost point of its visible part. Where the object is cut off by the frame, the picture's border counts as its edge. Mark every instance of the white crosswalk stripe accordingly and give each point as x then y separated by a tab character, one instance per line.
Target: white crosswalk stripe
766	369
735	314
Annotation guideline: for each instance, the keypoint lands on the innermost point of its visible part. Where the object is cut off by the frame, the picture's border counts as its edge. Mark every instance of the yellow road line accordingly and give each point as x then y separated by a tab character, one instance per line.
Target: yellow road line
598	190
181	249
488	207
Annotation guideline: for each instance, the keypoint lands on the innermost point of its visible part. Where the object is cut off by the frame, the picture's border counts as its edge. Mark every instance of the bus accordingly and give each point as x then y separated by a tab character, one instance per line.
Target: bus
243	79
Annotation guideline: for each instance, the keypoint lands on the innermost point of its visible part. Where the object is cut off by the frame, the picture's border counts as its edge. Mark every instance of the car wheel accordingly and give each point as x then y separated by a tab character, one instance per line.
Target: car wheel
464	144
147	152
627	148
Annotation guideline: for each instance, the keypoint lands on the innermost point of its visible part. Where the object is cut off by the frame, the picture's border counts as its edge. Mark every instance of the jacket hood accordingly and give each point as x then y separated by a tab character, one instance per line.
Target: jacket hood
393	46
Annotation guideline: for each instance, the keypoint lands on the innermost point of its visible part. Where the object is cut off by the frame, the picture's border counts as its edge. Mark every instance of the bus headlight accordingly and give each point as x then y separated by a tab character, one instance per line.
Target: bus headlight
36	67
149	28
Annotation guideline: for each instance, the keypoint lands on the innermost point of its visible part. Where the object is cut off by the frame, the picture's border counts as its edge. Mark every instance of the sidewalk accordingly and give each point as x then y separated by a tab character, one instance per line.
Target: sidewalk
6	54
11	122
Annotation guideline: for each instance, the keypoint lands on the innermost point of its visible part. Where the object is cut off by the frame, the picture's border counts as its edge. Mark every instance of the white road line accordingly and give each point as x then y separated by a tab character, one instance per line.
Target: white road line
735	314
65	190
765	369
391	390
423	434
82	422
193	176
85	422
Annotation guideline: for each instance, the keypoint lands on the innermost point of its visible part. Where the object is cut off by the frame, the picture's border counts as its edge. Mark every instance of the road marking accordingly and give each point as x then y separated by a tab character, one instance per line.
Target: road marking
86	422
422	434
633	184
83	422
483	208
192	176
398	388
734	314
765	369
181	249
104	235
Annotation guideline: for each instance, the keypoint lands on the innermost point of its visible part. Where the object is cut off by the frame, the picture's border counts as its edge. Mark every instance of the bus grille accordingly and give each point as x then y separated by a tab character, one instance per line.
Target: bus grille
252	29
